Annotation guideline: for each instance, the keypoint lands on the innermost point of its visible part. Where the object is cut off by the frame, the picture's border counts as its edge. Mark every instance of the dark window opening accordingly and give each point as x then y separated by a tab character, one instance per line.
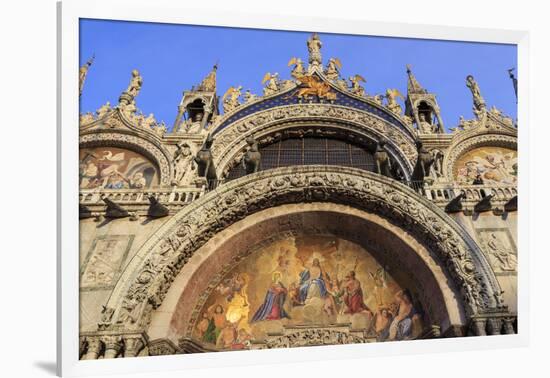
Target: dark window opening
311	151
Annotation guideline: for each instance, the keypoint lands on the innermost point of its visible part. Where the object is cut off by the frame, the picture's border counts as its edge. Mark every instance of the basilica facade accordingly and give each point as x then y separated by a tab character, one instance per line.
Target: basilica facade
313	213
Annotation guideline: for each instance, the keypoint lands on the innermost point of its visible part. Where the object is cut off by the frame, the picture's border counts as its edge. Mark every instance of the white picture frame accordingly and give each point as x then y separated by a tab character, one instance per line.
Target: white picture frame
69	14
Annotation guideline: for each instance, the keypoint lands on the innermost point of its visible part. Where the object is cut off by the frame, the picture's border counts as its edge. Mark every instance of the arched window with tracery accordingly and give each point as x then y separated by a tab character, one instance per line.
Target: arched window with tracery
311	150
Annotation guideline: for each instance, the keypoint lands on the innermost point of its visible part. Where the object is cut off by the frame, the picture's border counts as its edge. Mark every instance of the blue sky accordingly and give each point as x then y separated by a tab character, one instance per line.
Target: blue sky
172	58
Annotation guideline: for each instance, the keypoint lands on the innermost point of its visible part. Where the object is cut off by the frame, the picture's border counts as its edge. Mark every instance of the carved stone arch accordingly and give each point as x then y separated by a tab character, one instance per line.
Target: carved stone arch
223	120
428	101
470	141
149	147
230	142
148	276
328	129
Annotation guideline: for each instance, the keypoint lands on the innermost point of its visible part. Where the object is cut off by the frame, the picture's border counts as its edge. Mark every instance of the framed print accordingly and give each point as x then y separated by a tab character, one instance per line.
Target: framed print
290	187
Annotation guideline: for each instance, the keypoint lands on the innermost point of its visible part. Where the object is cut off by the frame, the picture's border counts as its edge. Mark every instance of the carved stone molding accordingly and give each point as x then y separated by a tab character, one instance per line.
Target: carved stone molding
469	142
148	276
230	142
154	151
311	337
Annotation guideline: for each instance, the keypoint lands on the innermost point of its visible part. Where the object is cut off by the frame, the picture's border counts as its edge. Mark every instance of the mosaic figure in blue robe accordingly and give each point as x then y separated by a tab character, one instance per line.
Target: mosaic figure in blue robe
312	283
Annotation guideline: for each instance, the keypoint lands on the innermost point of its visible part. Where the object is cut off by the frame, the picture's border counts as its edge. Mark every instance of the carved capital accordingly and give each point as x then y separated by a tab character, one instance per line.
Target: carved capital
508	326
478	327
133	345
161	347
494	325
113	345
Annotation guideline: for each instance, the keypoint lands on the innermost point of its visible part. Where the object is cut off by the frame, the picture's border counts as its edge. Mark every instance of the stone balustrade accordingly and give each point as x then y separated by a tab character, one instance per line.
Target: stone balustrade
137	200
441	194
140	196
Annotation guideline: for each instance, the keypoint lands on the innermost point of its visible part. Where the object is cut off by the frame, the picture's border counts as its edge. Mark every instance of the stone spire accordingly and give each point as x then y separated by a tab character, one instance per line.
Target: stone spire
198	106
83	72
421	107
514	82
208	84
413	86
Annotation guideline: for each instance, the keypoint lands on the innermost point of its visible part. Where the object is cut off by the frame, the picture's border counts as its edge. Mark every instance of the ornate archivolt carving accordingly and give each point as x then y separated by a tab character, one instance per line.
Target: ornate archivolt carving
309	337
154	151
230	142
467	141
122	117
148	276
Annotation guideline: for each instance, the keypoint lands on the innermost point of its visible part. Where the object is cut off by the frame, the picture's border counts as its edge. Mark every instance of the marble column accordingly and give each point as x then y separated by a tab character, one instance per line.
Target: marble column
83	344
94	348
206	116
479	327
177	122
508	328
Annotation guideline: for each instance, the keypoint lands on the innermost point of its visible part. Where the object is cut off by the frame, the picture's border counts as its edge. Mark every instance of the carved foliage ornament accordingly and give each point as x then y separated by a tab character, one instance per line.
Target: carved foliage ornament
312	337
162	259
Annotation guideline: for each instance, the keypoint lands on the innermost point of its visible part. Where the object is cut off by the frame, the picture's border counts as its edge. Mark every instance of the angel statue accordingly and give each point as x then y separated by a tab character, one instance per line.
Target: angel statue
298	69
135	84
332	71
231	98
272	85
479	102
314	45
391	95
356	87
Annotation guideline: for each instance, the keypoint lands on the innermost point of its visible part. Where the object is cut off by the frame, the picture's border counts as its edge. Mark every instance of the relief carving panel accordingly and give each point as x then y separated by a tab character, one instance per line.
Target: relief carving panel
501	251
102	266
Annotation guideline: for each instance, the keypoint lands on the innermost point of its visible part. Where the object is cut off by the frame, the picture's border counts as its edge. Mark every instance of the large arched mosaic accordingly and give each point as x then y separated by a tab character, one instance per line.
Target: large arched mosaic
300	281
